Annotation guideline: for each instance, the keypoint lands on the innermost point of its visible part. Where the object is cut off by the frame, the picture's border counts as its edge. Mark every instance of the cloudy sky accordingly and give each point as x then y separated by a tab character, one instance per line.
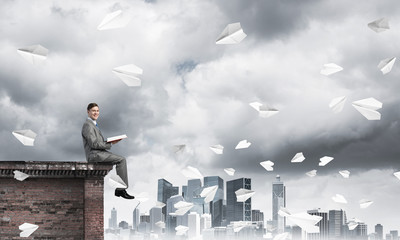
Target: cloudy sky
197	93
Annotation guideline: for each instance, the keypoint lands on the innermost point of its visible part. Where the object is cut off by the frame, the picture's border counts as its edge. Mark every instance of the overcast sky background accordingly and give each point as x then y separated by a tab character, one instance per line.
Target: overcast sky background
197	93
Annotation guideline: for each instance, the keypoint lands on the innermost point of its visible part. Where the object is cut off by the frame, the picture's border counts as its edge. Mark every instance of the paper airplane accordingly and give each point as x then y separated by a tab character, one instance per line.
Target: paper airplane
160	204
191	173
282	236
330	68
299	157
232	34
353	223
129	74
243	194
20	176
230	171
238	226
160	224
306	221
337	104
364	203
182	207
181	230
367	108
263	110
379	25
218	149
142	197
283	212
27	229
209	193
325	160
345	173
243	144
397	174
34	54
115	181
179	148
26	137
386	65
339	198
114	20
267	165
312	173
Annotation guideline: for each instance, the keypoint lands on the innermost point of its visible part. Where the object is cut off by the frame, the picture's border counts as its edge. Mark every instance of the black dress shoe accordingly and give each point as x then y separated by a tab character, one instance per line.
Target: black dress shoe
123	193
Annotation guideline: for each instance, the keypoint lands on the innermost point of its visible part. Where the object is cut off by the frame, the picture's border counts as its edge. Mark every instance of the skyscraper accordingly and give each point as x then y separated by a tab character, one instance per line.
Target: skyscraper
112	222
358	233
322	224
379	231
165	191
215	206
194	225
136	219
193	189
278	201
155	216
237	211
336	224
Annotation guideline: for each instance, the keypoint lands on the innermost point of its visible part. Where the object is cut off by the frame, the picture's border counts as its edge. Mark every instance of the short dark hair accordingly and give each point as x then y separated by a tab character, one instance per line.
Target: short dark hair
92	105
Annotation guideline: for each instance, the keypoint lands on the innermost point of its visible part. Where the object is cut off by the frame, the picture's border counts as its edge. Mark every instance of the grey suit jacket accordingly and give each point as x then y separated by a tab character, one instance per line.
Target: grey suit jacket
93	141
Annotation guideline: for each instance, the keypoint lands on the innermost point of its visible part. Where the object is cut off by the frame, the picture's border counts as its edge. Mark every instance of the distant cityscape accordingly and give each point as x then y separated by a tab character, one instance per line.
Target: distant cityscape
191	215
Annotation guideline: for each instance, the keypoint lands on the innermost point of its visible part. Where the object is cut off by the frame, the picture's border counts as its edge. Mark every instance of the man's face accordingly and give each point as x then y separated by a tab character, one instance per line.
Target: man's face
93	113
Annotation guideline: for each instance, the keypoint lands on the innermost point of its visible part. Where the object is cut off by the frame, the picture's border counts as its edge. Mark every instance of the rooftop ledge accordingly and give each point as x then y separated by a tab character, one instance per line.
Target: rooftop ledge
54	169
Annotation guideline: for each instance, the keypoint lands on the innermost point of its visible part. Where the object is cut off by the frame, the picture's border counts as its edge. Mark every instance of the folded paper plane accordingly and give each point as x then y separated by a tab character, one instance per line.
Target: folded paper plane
129	74
209	193
386	65
181	230
34	54
337	104
191	173
312	173
299	157
263	110
20	176
26	137
243	194
230	171
339	198
160	204
268	165
182	207
325	160
160	224
179	148
367	107
284	212
218	149
27	229
330	68
114	20
243	144
232	34
115	181
353	223
306	221
344	173
379	25
364	203
281	236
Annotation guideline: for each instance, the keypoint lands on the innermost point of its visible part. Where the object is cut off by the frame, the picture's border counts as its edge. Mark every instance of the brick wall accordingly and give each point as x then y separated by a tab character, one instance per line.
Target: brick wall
64	199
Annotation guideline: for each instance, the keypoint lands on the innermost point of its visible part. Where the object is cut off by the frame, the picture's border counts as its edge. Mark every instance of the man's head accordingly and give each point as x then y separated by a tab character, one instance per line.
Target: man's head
93	111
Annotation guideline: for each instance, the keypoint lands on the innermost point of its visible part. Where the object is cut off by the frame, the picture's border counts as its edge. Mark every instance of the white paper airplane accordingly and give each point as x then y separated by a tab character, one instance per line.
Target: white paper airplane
337	104
281	236
364	203
129	74
386	65
182	207
353	223
179	148
27	229
397	174
20	176
339	198
34	54
312	173
160	224
299	157
379	25
142	197
191	173
306	221
284	212
209	193
26	137
230	171
243	194
218	149
263	110
232	34
243	144
115	181
367	107
268	165
330	68
325	160
160	204
114	20
239	225
181	230
345	173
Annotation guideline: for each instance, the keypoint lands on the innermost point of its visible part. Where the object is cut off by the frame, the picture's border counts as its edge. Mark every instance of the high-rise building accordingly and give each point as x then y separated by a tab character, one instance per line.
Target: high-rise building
336	224
123	225
155	216
194	225
216	205
395	234
237	211
296	233
112	222
145	218
358	233
165	191
193	189
184	192
379	231
278	201
136	219
257	216
322	224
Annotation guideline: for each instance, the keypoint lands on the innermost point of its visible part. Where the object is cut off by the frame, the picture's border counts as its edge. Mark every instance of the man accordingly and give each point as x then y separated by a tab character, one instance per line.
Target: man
96	148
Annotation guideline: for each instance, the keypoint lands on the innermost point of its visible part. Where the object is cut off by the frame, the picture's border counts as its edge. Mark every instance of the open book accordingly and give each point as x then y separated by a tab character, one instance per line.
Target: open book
110	139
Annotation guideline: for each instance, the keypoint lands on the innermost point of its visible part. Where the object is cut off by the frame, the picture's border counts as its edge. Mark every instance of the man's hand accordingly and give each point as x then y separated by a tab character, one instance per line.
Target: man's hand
114	142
